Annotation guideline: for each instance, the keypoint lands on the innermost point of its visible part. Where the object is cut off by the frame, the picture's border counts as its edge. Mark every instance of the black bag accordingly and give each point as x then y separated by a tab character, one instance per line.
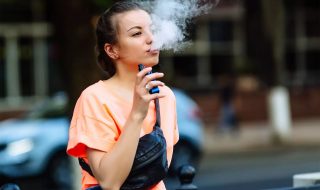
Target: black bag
150	164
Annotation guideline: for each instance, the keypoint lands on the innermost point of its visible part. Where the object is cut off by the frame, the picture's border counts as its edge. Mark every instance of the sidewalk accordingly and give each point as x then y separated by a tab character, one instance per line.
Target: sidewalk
259	136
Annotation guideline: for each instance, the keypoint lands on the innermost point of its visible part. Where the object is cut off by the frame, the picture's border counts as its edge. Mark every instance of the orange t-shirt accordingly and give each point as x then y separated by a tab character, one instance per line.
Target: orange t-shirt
99	117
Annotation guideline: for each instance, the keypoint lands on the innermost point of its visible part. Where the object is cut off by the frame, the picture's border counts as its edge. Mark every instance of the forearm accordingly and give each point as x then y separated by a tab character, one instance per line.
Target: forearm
112	168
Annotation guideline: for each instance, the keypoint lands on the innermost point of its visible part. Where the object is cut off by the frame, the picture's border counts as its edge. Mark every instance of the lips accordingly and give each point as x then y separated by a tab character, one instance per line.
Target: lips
153	51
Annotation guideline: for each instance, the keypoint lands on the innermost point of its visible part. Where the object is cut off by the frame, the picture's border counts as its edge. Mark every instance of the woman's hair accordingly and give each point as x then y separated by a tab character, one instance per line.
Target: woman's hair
106	32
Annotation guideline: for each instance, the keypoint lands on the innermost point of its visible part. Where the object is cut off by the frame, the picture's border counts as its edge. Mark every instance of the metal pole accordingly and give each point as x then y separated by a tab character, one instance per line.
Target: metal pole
186	175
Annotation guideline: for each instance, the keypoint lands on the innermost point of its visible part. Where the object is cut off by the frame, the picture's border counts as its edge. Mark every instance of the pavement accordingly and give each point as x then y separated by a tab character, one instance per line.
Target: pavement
260	136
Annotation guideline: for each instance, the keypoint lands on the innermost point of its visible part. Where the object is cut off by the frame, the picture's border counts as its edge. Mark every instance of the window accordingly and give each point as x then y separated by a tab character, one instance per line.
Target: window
221	31
23	63
303	43
221	64
26	67
185	66
217	47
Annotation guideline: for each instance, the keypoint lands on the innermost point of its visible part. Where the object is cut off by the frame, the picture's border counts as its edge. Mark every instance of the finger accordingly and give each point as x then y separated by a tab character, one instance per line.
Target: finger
151	77
153	84
144	72
156	95
150	97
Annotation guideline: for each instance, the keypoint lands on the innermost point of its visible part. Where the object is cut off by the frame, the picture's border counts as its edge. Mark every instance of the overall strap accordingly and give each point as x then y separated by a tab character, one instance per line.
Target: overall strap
158	119
85	166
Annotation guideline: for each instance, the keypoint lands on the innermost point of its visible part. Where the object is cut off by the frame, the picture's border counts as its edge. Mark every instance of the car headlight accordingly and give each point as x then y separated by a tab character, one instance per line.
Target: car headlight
19	147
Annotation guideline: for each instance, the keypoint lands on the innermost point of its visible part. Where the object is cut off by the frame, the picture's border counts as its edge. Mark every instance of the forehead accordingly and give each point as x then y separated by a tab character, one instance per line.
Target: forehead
133	18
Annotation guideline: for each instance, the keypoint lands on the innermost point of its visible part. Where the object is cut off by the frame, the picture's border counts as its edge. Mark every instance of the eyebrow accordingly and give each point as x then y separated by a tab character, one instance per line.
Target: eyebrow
135	27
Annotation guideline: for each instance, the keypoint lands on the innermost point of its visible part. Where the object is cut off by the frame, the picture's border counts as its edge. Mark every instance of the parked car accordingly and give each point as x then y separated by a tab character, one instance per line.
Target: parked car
35	145
189	148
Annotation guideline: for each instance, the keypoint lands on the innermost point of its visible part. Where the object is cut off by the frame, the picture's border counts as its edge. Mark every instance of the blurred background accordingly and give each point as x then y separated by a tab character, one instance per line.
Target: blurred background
252	74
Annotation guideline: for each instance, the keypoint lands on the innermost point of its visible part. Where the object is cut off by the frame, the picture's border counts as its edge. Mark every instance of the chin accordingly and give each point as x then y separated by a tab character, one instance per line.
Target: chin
151	63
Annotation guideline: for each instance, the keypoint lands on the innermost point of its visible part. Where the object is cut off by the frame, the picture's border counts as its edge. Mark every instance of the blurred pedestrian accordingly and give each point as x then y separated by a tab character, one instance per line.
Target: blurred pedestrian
228	119
111	115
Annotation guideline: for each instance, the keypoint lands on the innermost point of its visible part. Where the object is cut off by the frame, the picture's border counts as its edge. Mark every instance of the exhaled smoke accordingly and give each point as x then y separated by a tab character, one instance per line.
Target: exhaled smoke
170	20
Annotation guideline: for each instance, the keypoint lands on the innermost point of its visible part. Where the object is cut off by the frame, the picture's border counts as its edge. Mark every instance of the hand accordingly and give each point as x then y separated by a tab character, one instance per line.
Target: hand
142	98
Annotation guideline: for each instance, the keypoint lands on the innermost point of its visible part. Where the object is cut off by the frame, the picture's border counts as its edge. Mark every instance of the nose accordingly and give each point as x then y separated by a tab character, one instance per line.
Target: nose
149	39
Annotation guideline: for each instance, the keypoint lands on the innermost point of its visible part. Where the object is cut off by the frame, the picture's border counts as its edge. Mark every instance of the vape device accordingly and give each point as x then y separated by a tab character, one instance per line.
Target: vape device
154	89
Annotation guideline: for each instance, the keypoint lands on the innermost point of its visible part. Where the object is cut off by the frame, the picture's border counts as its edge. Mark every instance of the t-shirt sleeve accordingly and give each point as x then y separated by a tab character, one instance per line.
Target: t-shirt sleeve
91	126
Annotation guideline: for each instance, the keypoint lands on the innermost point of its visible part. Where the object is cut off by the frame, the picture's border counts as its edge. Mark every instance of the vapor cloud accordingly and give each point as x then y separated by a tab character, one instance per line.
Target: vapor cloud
171	18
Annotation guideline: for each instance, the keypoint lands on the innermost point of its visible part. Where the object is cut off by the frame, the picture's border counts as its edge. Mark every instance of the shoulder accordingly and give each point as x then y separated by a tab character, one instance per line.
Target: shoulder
92	101
93	91
90	96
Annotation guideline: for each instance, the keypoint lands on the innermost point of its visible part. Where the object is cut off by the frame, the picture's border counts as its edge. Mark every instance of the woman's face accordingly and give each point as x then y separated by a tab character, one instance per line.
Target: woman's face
135	38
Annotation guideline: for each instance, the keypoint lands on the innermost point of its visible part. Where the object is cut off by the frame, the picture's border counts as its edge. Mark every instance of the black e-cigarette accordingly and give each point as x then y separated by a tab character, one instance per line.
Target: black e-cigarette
154	89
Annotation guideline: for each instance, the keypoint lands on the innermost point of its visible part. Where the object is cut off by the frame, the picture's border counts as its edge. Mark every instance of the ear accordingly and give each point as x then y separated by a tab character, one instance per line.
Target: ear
111	51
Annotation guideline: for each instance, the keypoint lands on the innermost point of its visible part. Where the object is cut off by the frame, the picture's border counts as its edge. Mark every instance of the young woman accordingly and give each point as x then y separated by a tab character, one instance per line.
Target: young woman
111	115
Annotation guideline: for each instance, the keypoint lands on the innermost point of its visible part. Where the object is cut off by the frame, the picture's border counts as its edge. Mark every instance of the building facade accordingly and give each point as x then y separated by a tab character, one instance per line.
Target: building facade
257	47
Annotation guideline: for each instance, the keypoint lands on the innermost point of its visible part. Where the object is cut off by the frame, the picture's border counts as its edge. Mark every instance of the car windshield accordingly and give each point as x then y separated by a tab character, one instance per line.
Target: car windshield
51	107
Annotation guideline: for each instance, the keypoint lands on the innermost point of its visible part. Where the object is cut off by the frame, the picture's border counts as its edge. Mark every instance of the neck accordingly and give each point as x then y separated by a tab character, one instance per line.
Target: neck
126	76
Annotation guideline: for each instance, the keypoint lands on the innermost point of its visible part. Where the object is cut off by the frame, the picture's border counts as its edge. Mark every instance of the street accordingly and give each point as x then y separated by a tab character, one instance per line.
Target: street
249	170
254	170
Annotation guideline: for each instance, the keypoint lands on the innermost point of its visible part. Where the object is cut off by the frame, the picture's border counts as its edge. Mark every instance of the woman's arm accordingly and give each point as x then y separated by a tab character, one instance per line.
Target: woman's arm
112	168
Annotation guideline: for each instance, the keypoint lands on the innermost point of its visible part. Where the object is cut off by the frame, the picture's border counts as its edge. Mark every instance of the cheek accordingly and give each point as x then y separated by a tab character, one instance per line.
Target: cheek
133	52
131	47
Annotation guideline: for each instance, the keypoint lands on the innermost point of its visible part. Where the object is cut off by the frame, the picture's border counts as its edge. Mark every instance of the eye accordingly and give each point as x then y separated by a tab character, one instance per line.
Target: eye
137	34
